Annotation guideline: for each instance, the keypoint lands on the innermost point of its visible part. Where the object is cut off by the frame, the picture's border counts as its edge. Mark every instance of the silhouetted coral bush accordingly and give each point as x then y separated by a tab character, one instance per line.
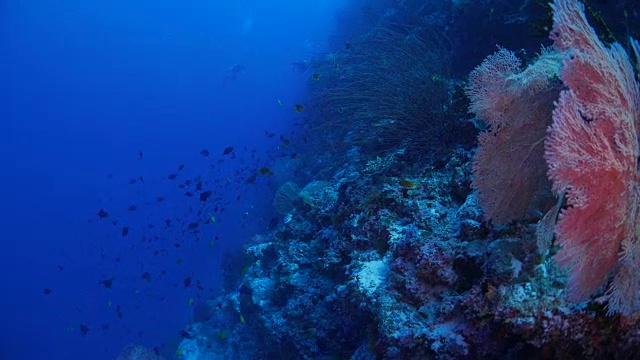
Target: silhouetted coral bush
390	90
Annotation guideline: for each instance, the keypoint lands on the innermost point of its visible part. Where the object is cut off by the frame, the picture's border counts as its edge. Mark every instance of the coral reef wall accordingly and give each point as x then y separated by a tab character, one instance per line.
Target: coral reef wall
413	240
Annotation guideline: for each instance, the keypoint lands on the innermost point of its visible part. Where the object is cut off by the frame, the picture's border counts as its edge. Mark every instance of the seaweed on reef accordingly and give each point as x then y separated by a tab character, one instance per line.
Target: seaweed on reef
596	19
543	23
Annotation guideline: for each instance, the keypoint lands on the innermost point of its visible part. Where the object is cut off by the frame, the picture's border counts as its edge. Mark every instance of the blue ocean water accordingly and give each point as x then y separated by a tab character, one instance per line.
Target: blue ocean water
95	95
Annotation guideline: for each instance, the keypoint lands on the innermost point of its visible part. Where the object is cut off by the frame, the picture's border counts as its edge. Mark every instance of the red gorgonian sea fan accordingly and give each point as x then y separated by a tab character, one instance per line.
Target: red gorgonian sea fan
592	152
509	166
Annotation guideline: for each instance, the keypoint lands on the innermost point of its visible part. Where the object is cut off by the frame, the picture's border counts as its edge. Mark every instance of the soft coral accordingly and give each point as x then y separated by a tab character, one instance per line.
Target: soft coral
592	152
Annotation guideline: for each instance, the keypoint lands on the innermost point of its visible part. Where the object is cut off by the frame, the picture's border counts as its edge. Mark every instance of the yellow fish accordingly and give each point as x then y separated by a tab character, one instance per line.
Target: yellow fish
280	103
191	302
109	302
179	352
408	184
211	243
212	218
241	319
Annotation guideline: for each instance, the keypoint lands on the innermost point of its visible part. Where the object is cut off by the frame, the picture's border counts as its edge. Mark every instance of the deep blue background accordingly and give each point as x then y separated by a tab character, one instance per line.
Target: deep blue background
85	85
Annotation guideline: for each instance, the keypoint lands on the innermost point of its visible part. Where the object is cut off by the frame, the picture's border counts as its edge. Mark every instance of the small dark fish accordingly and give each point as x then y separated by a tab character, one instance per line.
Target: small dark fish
117	259
204	152
172	176
60	267
205	195
140	154
177	245
107	283
252	179
84	330
150	226
187	182
132	181
285	141
293	156
159	199
146	276
167	222
188	194
298	108
199	186
185	334
133	208
187	282
181	186
347	46
228	150
125	231
103	214
119	311
141	179
315	76
104	327
265	171
179	261
270	134
47	291
192	226
181	167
